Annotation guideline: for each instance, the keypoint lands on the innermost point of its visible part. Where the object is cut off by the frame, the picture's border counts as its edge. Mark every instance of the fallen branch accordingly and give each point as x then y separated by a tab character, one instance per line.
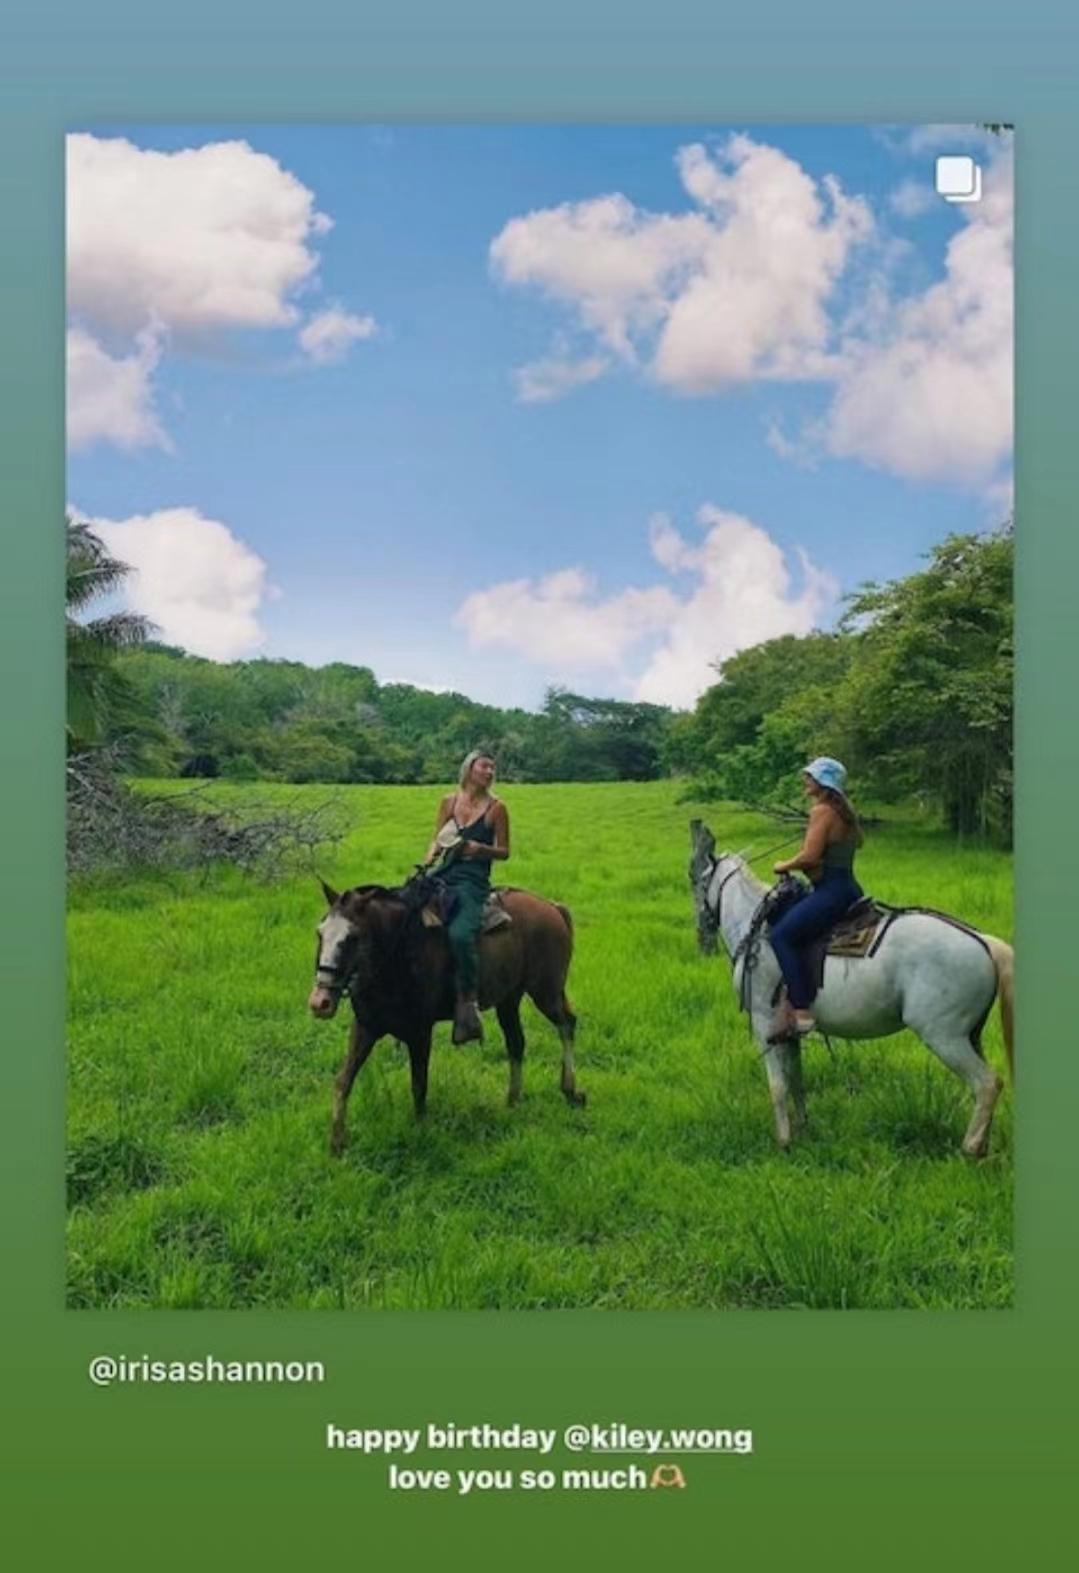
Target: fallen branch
110	826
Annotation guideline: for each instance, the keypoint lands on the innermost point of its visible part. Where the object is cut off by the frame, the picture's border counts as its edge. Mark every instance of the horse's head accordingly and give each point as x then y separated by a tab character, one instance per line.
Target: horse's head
702	851
345	941
702	861
709	872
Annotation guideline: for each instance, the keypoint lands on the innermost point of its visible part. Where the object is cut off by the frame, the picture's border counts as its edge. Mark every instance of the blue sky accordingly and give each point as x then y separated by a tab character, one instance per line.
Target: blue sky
489	408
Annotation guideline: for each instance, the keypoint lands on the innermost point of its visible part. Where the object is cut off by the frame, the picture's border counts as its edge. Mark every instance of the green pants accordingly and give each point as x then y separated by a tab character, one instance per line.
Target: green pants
463	931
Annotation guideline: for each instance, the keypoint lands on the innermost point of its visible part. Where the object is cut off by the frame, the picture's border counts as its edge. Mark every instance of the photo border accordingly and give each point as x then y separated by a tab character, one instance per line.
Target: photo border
944	1430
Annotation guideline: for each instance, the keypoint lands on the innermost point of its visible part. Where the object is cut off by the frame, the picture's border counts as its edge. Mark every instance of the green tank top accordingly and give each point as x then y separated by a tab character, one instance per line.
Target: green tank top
471	871
840	854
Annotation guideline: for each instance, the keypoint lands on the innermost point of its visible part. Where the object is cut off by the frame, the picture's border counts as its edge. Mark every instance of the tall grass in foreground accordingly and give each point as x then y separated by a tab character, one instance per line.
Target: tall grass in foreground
199	1094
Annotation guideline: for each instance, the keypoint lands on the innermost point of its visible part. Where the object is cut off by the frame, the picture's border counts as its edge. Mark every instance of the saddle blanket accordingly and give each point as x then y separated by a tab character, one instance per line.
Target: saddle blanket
856	930
494	917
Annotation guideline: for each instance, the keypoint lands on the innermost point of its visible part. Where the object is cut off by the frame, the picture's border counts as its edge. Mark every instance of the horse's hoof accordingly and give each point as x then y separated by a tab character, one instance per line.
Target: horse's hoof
337	1146
577	1099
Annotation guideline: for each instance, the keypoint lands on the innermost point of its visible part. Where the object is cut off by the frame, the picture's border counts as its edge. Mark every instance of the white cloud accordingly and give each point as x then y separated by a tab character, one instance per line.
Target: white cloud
744	593
802	450
733	289
561	621
328	336
757	305
743	286
186	245
912	198
204	238
605	257
741	591
193	577
110	398
542	381
929	394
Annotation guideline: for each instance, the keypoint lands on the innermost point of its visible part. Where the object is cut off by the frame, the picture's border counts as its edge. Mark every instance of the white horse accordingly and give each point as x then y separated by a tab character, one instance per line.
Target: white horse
928	975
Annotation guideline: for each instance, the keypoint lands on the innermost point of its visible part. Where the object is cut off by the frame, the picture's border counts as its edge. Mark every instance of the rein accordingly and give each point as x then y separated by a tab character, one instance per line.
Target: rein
748	947
743	863
777	848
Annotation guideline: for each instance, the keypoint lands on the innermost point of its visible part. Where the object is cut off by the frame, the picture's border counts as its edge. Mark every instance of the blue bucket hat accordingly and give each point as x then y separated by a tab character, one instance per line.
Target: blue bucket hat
826	773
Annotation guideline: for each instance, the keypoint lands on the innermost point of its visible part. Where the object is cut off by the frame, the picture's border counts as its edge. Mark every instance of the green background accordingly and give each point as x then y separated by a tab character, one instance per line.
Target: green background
878	1435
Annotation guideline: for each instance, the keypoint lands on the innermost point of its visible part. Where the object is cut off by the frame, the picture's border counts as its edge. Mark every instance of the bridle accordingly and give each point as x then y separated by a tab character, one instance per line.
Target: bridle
337	980
714	906
743	862
710	911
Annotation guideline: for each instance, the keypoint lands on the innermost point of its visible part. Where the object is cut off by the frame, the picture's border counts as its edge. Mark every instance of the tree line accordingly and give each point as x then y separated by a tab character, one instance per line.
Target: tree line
284	721
912	690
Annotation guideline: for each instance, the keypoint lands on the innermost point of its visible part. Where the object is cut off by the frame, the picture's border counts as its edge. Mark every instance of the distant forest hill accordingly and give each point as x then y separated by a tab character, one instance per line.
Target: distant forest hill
283	721
912	690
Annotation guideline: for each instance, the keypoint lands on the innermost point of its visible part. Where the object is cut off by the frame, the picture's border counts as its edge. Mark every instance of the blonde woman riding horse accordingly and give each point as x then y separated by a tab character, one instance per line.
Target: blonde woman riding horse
472	830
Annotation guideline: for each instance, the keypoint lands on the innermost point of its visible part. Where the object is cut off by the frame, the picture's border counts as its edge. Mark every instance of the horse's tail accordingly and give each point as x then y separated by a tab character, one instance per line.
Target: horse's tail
1004	960
567	918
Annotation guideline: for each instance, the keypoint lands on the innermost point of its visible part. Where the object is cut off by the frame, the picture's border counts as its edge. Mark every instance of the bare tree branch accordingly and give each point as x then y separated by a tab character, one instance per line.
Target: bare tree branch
110	826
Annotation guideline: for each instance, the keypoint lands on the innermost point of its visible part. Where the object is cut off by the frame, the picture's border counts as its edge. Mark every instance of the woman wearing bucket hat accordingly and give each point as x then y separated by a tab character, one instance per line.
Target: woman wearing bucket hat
832	837
472	829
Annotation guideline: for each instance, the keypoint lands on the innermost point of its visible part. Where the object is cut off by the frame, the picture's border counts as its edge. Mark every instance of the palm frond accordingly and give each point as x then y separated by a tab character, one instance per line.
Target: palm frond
91	571
98	694
119	631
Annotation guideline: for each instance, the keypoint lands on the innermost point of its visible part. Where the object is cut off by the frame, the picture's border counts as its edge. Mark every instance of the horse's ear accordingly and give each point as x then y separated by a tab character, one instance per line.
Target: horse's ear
332	896
704	842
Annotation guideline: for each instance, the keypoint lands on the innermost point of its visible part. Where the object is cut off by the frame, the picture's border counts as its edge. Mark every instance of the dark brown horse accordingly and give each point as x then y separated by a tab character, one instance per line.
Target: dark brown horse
399	977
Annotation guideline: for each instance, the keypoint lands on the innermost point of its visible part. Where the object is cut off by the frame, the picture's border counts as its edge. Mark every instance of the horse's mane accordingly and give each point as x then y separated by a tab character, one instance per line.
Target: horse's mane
743	868
412	895
388	892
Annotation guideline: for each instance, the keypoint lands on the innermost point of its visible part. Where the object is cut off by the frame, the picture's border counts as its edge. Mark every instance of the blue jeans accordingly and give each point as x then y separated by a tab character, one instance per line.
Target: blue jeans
810	916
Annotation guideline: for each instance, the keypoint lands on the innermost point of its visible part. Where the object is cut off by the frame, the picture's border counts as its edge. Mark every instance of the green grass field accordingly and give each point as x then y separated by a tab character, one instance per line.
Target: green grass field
199	1099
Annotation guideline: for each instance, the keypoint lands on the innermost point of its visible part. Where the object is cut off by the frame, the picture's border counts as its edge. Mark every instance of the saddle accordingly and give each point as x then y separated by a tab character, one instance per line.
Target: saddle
858	932
438	911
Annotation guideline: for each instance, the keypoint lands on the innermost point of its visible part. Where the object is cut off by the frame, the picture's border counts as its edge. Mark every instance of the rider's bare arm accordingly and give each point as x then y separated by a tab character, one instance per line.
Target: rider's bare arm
817	837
